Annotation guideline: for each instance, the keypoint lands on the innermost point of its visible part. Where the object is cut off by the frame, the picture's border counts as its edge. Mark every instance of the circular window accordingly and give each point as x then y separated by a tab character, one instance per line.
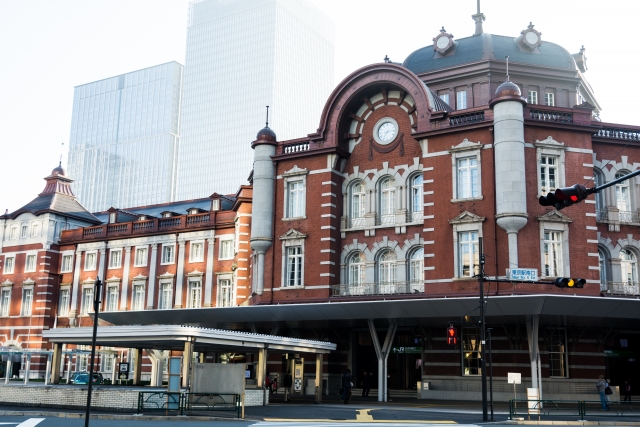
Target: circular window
385	131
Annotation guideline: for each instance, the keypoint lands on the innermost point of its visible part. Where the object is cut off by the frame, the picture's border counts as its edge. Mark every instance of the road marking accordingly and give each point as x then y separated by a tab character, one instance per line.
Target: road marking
31	422
327	420
363	415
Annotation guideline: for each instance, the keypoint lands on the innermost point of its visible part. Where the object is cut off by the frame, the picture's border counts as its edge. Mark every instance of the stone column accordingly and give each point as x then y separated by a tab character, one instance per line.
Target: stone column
137	369
208	279
55	363
152	277
187	357
319	378
180	274
73	312
125	279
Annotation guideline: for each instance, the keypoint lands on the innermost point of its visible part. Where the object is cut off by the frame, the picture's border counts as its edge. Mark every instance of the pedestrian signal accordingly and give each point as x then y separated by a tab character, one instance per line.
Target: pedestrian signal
452	335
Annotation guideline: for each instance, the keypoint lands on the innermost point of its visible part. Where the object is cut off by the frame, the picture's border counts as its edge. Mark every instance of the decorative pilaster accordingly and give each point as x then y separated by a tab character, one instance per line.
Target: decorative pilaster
125	279
152	276
73	312
208	280
180	274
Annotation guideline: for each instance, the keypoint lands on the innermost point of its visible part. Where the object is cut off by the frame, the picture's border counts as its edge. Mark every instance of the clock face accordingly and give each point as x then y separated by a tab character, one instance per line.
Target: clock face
387	132
442	42
531	37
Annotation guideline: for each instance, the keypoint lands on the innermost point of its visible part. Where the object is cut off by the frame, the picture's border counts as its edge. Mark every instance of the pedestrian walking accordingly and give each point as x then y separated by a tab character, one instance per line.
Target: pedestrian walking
366	384
267	383
601	385
607	391
274	386
627	391
288	382
346	386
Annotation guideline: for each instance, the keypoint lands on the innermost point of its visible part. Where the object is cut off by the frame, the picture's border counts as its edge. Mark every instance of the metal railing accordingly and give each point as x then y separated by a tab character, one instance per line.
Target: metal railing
381	288
356	222
550	116
621	288
389	219
181	402
466	119
617	133
571	408
623	216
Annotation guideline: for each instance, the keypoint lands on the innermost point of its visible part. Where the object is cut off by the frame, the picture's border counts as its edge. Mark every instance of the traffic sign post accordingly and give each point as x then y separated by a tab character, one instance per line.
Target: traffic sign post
514	378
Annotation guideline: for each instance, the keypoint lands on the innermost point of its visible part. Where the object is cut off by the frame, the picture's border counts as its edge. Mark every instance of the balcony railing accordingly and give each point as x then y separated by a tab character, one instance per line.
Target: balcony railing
118	228
622	216
550	116
169	222
466	119
620	288
92	231
387	219
198	219
295	148
382	288
143	225
356	222
416	216
617	133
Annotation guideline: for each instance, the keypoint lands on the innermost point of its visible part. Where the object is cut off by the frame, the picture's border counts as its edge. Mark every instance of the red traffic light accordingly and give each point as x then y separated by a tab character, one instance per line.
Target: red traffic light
566	196
452	335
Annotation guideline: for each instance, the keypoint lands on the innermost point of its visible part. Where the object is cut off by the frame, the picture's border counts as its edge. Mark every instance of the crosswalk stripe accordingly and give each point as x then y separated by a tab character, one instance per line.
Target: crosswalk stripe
31	422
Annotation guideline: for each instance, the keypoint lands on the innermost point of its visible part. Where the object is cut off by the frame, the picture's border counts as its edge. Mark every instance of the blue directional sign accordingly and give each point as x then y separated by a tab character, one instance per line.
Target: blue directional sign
523	274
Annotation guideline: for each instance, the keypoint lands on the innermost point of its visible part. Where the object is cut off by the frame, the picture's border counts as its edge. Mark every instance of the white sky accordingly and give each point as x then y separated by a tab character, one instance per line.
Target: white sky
48	47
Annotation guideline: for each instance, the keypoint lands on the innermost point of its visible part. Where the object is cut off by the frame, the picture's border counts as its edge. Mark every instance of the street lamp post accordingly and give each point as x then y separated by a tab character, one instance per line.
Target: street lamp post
97	286
483	364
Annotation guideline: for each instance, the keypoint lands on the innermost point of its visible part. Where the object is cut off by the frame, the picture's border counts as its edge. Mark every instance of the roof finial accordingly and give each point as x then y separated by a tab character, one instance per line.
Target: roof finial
387	59
267	116
478	17
60	164
507	58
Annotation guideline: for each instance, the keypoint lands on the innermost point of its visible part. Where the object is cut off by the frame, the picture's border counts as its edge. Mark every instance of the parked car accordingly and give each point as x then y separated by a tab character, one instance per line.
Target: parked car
83	378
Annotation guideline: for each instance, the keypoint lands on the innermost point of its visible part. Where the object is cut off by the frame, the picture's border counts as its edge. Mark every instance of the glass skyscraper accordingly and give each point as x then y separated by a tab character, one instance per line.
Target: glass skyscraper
240	57
124	139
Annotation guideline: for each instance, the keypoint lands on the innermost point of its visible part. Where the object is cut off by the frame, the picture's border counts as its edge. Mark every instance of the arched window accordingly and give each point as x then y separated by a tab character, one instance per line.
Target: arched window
358	194
387	198
416	270
387	272
628	266
416	198
602	263
623	202
357	269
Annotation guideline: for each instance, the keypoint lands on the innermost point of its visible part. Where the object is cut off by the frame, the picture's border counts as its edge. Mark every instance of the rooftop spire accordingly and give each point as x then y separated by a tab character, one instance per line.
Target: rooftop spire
507	58
478	17
267	116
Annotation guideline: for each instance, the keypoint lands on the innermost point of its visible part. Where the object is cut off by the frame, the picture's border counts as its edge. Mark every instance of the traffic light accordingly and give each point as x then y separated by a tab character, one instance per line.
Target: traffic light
566	282
452	335
567	196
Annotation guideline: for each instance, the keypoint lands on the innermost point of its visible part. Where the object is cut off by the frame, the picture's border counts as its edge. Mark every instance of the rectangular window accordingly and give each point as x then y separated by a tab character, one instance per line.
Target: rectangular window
197	252
141	257
461	100
5	300
468	178
115	258
552	253
63	302
90	261
226	249
468	250
14	233
549	99
138	297
532	98
35	230
166	293
24	232
195	294
557	355
294	266
27	302
112	298
296	199
471	352
87	301
30	264
9	264
548	174
445	97
107	362
168	254
226	293
67	261
81	361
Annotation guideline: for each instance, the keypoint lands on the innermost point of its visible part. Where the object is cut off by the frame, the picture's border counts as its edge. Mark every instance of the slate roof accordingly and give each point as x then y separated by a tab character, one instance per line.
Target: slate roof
487	47
58	203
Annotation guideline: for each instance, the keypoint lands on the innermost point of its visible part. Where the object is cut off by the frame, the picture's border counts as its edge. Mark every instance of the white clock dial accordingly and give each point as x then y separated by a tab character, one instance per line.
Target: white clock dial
387	132
532	37
442	42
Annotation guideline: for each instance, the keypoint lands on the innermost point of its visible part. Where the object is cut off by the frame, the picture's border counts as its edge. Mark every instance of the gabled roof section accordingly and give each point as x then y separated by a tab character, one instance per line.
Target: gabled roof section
57	197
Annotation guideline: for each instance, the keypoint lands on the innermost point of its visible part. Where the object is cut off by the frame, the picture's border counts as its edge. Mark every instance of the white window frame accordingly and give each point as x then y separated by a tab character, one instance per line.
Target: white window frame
143	259
67	255
112	296
113	257
549	99
416	196
473	249
356	269
461	99
466	149
64	304
137	295
24	231
168	247
26	305
560	225
290	239
106	362
90	255
444	97
293	176
191	287
466	222
229	252
192	257
35	229
387	271
14	235
5	301
9	266
532	97
165	284
416	268
27	268
624	199
86	302
230	286
550	147
357	204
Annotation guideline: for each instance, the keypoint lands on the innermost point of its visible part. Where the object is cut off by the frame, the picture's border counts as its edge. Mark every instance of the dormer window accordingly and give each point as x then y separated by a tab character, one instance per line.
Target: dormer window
166	214
112	217
193	211
142	217
215	205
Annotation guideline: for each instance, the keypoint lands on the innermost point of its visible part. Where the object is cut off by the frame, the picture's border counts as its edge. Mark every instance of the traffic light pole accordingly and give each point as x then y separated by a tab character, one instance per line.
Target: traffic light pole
96	307
483	364
615	181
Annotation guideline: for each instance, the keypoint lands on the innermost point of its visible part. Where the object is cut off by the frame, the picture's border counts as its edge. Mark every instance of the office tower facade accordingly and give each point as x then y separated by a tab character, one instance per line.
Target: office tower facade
124	138
240	57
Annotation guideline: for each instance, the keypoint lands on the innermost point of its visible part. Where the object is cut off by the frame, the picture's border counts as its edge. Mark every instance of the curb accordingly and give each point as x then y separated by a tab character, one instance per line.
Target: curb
127	417
572	423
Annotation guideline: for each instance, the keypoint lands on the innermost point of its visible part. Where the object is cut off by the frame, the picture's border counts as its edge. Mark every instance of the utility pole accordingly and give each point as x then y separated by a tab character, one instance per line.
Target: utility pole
483	364
97	286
